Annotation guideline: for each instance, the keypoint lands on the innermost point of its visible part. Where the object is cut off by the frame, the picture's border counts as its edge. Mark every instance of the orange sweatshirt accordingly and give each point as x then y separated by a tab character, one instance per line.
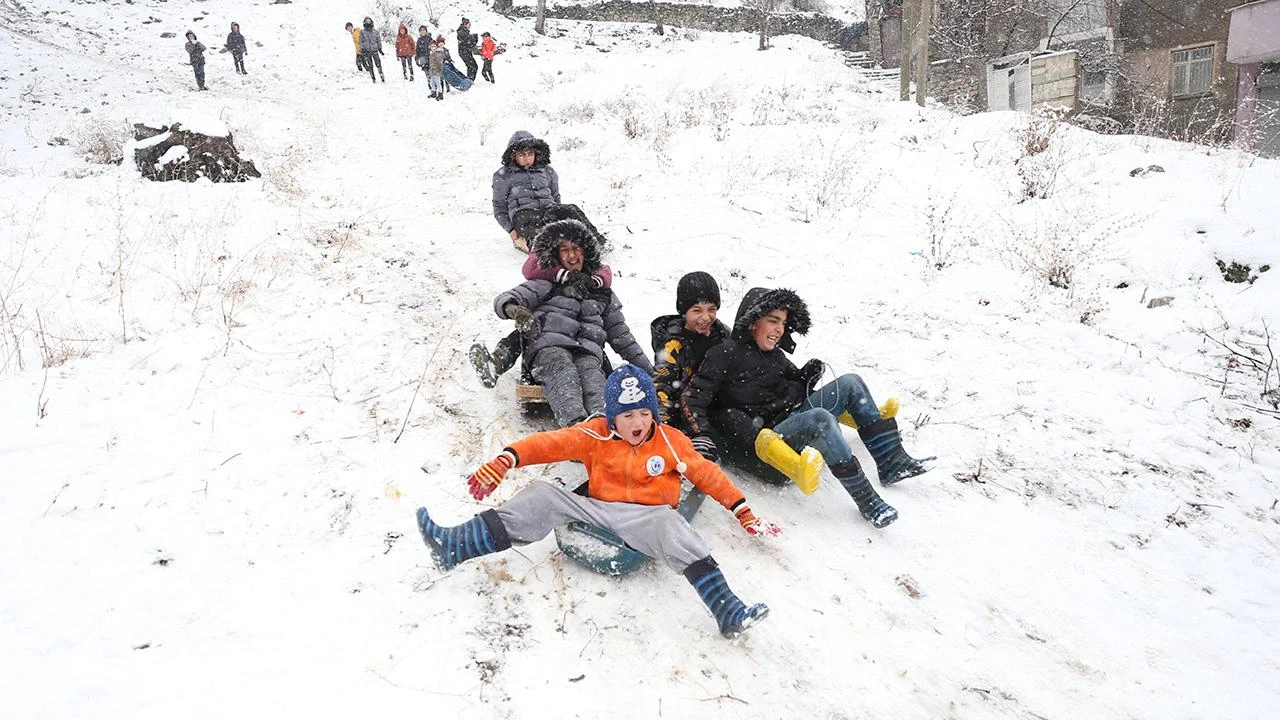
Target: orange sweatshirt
617	471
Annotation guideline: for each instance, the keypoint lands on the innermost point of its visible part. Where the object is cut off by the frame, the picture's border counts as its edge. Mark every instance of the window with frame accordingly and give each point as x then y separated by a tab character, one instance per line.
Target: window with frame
1192	71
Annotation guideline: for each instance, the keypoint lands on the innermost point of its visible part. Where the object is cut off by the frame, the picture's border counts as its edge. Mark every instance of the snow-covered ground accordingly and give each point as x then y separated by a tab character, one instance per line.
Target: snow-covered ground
222	403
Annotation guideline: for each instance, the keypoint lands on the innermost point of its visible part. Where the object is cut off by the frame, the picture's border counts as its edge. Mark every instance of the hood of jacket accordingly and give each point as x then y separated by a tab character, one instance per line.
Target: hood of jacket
759	302
547	244
525	139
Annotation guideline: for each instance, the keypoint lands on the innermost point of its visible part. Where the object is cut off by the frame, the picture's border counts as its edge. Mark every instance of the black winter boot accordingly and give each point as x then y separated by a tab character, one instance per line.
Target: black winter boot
855	482
481	535
885	445
490	365
732	615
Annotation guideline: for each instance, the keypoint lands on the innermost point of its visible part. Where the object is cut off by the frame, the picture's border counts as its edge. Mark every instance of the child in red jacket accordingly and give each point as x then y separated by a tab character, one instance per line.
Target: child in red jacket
406	47
634	470
488	48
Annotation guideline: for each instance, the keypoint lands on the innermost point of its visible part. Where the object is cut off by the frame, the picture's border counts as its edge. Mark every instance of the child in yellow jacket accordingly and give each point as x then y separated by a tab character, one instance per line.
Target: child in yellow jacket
634	469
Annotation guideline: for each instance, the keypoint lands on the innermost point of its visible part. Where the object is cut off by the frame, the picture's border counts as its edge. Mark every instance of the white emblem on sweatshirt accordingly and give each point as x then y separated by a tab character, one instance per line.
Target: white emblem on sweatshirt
656	465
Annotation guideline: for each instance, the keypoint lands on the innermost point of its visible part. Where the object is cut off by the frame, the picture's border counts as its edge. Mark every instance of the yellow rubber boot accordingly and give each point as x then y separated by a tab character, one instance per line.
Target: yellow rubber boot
887	410
804	468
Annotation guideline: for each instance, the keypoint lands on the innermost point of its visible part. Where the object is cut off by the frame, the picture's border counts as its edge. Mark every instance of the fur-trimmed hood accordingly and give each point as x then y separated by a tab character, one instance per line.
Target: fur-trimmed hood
758	302
525	139
547	244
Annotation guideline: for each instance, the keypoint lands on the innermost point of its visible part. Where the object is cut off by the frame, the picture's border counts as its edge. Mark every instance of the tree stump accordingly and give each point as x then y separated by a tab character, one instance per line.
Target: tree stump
174	153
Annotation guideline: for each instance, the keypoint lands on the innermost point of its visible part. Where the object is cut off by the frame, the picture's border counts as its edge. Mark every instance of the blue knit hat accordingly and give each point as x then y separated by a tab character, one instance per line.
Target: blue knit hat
629	388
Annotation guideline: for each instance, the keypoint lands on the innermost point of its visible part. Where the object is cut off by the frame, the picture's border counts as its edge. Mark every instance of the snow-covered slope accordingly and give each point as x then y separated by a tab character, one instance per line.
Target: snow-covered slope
208	494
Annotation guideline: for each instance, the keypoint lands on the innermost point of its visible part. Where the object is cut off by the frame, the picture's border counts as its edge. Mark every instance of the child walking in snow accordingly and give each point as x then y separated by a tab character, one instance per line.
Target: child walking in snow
634	499
355	39
488	49
371	49
195	50
405	49
749	396
236	46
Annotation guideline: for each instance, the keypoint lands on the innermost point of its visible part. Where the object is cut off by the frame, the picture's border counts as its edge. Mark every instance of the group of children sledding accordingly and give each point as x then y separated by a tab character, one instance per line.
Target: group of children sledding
712	394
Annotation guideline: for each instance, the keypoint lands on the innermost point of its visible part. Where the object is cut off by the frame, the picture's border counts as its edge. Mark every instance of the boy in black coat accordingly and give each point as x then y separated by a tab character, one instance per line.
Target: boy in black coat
749	395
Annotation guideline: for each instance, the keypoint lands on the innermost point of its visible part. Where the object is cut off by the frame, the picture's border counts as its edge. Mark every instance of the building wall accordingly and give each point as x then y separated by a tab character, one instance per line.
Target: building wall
1149	33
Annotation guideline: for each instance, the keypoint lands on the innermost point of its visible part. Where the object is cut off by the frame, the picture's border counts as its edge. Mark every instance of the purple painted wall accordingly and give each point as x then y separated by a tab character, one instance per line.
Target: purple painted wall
1255	33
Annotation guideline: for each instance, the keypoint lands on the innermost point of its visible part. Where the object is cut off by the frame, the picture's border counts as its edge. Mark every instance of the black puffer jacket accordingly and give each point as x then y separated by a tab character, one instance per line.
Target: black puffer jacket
677	353
738	375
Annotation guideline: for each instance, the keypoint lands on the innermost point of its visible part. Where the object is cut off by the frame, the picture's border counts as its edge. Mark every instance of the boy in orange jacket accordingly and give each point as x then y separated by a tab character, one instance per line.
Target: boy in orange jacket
634	469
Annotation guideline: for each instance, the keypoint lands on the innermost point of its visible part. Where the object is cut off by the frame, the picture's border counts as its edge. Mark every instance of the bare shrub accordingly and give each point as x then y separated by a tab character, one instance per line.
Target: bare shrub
1054	249
581	111
102	141
570	142
1041	159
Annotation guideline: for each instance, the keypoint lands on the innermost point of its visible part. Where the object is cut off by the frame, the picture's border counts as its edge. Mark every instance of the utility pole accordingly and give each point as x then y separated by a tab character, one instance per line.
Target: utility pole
906	31
922	51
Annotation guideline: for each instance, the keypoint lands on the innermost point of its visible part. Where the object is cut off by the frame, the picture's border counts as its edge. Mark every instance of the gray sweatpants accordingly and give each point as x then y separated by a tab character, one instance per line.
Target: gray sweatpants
655	530
572	382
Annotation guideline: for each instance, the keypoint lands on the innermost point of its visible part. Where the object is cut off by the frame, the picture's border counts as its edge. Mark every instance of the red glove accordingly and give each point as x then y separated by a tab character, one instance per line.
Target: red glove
484	480
753	525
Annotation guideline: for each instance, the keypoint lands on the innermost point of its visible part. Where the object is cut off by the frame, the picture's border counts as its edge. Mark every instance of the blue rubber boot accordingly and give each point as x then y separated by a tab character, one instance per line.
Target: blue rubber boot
732	615
481	535
855	482
885	445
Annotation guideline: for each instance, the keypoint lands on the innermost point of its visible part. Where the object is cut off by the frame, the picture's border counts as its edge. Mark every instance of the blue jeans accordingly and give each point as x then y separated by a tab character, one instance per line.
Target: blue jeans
815	422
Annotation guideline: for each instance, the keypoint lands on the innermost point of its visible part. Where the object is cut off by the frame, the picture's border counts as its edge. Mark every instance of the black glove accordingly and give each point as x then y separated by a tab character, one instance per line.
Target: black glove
811	373
577	284
522	315
706	447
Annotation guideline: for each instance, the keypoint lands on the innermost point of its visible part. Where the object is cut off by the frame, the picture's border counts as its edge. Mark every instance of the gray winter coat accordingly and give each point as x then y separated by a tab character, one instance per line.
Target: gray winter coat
370	41
196	51
562	321
516	188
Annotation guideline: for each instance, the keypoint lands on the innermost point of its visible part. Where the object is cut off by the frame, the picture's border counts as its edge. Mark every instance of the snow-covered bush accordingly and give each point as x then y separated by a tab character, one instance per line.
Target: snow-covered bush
102	141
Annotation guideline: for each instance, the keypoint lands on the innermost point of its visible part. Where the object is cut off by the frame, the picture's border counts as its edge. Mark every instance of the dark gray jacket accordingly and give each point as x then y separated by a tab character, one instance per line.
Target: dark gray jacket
370	40
196	51
516	188
562	321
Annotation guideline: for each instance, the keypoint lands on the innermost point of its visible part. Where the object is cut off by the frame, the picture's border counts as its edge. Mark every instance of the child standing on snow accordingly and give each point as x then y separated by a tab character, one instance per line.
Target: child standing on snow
634	500
681	341
749	395
524	187
371	49
435	69
488	48
355	38
236	46
195	50
405	49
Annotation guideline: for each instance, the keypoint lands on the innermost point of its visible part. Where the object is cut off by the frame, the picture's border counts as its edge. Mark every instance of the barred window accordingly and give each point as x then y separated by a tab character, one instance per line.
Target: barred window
1192	71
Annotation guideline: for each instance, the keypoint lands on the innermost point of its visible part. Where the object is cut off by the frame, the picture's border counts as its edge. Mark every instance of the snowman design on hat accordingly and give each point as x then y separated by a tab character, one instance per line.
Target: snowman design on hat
632	393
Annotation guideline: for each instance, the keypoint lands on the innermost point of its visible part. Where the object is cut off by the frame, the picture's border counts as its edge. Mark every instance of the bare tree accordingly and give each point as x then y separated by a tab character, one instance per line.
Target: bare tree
657	18
765	8
540	23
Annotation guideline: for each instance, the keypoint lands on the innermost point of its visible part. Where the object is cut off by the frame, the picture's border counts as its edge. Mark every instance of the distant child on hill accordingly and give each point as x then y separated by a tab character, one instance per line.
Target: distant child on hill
635	500
488	48
355	38
195	49
371	48
236	46
435	69
405	50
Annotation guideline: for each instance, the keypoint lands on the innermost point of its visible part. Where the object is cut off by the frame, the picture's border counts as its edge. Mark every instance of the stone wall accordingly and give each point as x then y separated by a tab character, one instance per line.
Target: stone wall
700	17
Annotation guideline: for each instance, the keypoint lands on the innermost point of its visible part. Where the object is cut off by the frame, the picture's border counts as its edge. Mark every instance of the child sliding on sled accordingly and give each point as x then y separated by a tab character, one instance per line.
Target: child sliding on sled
634	469
748	395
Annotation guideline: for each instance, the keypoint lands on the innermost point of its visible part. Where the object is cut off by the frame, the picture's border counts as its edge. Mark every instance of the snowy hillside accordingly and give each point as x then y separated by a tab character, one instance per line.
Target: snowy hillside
222	403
